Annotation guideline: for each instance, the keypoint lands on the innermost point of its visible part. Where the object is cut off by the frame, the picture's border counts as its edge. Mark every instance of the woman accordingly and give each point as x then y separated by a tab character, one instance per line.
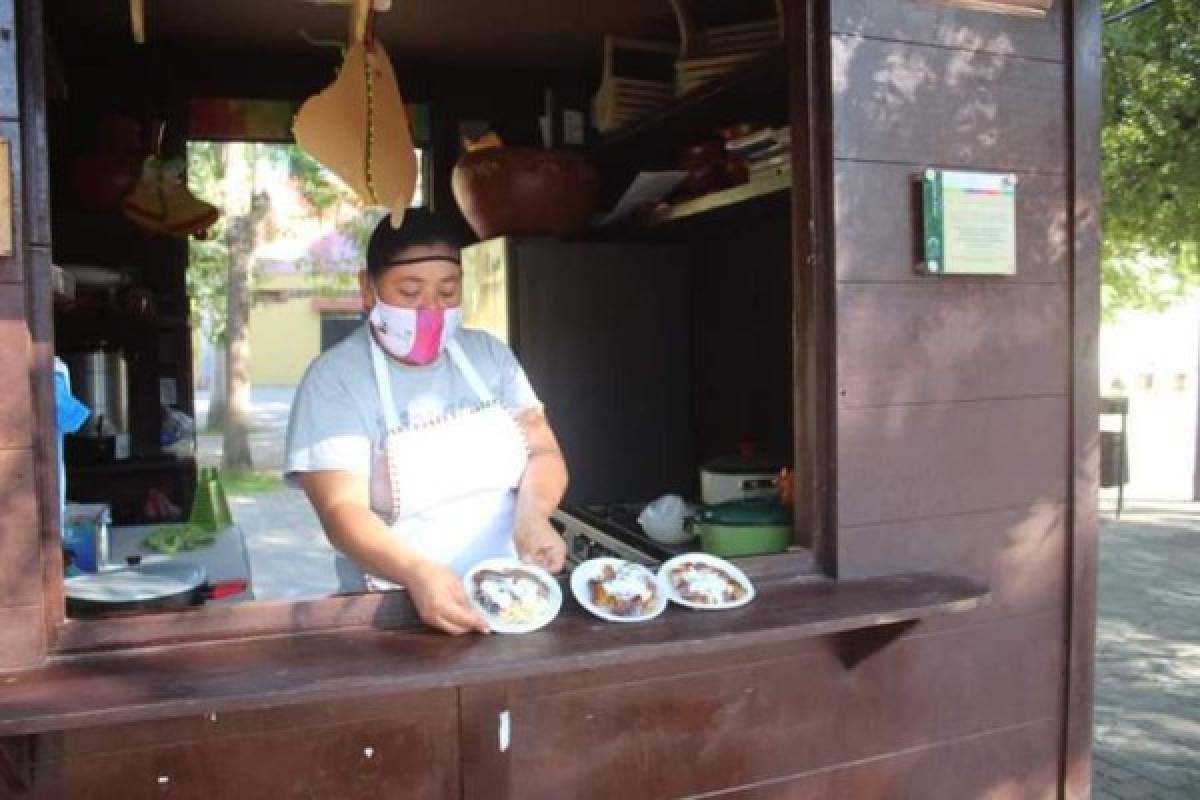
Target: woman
421	445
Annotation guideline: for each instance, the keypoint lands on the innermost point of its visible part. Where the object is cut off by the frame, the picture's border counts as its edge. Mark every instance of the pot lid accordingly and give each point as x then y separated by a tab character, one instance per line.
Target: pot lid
743	465
135	584
747	512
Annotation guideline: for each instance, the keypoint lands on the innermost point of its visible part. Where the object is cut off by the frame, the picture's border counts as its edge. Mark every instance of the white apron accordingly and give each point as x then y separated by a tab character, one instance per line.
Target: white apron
453	479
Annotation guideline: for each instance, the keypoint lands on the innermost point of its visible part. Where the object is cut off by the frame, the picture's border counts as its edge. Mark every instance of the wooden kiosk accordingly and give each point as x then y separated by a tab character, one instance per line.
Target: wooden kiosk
929	636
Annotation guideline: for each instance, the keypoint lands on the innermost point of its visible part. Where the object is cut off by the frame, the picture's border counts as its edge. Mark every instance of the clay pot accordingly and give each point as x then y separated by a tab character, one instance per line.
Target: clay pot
523	191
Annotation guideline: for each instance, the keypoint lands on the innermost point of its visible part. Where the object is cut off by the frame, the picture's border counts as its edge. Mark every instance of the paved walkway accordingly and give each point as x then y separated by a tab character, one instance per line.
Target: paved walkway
1147	742
290	558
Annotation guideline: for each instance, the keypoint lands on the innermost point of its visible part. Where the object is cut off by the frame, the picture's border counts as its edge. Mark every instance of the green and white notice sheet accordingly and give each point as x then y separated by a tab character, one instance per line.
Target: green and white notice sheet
970	223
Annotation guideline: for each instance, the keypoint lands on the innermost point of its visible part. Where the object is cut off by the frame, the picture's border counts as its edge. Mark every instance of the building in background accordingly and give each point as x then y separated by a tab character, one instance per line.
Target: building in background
305	296
1152	358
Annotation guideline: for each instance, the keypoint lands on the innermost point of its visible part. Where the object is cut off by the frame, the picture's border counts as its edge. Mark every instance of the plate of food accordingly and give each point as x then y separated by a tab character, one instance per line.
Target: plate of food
512	597
618	590
700	580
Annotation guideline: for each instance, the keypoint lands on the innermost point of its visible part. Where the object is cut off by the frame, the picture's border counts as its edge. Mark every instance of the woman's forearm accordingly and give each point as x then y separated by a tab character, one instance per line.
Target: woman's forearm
545	478
355	530
363	536
542	486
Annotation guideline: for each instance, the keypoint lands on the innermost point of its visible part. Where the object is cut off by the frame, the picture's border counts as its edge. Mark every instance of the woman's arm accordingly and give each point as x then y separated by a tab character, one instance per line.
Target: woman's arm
341	502
540	491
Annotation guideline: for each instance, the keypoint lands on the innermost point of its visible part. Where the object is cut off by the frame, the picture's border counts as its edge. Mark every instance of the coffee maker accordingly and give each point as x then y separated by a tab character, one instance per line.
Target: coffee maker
100	379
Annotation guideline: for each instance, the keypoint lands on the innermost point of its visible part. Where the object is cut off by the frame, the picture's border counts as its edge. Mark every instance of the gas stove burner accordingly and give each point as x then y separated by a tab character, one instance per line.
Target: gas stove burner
609	529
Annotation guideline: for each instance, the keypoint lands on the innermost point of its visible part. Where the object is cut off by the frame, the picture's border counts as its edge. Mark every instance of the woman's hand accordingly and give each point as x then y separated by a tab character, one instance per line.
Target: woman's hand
440	600
539	543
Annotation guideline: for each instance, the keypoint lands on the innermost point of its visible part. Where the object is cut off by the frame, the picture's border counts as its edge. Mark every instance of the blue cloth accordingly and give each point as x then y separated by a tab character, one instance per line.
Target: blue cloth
69	416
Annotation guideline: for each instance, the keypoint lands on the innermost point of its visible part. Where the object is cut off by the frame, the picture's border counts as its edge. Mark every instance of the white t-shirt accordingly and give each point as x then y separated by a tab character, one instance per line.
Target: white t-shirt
337	422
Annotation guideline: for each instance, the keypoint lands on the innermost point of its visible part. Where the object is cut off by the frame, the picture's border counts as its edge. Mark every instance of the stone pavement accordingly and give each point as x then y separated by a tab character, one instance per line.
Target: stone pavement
1147	732
290	558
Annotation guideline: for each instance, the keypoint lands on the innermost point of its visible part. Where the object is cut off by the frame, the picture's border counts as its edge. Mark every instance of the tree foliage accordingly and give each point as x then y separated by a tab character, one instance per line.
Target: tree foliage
313	180
1151	152
208	259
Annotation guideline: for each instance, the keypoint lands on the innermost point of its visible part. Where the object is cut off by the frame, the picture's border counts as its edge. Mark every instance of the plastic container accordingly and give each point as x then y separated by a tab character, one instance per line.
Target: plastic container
85	534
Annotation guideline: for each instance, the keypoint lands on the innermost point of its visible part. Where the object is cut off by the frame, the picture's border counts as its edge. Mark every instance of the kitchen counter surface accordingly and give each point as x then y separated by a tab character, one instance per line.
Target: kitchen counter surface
91	689
226	559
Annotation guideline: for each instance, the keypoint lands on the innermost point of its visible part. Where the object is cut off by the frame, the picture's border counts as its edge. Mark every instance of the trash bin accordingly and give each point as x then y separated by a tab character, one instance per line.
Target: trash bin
1114	449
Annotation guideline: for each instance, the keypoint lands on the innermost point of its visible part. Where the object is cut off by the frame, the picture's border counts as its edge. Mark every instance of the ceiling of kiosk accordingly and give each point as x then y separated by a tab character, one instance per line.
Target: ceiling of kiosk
557	34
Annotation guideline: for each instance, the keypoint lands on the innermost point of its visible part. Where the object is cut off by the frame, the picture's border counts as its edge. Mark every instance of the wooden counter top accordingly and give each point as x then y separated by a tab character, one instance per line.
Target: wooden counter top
162	682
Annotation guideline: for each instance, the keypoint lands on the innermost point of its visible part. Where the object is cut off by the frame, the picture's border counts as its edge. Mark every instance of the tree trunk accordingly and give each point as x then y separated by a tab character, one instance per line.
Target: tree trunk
242	232
216	391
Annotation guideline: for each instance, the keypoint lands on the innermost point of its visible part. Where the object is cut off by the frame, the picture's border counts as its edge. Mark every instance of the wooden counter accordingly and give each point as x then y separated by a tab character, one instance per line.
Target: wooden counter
163	682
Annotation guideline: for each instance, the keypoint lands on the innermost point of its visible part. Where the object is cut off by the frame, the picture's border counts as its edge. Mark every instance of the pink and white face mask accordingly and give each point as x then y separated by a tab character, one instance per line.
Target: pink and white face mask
415	335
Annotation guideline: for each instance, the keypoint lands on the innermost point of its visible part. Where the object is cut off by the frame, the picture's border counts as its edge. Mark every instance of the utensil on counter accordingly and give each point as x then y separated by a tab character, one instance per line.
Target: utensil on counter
158	586
745	528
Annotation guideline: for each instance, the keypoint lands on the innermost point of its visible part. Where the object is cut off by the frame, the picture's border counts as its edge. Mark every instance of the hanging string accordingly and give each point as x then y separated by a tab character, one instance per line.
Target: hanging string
369	69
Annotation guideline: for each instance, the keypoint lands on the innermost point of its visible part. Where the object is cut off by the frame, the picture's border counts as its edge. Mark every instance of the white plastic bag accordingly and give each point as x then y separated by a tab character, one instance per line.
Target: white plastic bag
663	520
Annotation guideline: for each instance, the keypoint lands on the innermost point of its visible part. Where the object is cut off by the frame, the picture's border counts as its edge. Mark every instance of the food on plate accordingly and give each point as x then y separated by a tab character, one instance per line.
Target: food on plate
705	584
627	590
512	595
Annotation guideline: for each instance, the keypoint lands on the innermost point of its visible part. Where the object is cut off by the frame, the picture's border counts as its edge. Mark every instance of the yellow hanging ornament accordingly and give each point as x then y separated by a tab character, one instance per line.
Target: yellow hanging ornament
160	202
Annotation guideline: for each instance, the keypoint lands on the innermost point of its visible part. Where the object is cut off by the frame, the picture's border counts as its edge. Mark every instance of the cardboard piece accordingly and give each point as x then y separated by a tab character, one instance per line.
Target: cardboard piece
366	144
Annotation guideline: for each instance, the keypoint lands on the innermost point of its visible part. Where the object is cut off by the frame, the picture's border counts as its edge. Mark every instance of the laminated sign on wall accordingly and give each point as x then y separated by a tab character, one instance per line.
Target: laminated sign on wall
969	223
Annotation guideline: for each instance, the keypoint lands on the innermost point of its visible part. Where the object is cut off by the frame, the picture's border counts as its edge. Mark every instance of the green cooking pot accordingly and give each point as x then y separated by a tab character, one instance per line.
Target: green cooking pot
745	528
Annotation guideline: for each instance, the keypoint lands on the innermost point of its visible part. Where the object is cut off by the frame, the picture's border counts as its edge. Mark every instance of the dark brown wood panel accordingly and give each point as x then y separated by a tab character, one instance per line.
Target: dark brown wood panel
1087	109
10	266
924	105
757	722
908	462
22	641
39	304
813	269
931	23
950	341
1011	764
411	752
209	726
1018	553
878	225
16	405
243	675
20	548
8	61
33	123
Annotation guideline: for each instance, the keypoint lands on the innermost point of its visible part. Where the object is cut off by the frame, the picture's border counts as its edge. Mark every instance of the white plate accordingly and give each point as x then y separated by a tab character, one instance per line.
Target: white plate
664	579
542	576
592	569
